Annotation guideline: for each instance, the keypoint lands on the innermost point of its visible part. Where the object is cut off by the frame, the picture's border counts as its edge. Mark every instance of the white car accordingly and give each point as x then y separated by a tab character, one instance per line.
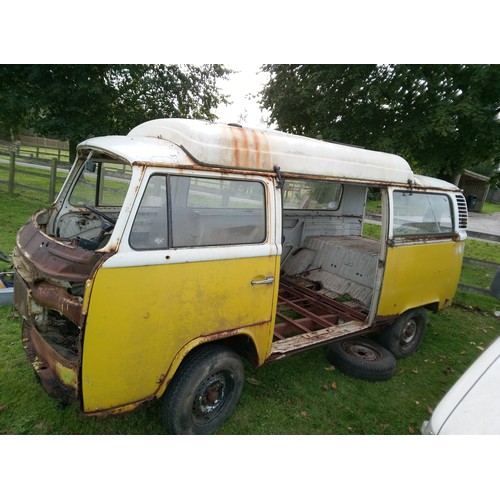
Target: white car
472	405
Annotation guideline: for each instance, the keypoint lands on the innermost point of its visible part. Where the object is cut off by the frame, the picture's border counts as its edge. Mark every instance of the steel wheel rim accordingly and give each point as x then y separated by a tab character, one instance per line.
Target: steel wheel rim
362	351
409	333
211	397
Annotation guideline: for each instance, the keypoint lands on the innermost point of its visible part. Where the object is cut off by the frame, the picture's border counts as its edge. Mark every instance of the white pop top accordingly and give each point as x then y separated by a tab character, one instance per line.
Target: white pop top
238	147
230	146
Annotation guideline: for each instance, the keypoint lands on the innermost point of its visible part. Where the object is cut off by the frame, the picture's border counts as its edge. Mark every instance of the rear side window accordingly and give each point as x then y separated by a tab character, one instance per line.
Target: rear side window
181	211
421	213
306	194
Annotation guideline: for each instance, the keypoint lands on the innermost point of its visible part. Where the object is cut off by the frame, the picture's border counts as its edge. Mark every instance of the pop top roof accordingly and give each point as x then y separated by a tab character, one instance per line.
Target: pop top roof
233	146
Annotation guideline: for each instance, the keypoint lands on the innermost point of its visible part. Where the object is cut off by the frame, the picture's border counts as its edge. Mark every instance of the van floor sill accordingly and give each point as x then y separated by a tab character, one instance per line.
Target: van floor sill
305	341
306	317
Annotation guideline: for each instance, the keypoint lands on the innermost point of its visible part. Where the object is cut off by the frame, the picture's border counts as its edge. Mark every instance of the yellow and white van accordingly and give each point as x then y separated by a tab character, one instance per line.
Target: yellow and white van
172	252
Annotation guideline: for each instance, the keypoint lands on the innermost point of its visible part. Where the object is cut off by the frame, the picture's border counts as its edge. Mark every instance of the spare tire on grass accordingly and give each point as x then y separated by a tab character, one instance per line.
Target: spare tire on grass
362	358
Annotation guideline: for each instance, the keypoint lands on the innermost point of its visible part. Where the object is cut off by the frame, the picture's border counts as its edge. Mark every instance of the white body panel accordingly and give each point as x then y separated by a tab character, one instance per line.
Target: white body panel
472	405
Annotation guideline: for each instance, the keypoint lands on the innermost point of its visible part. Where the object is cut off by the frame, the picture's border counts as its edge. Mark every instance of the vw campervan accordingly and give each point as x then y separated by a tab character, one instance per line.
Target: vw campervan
172	252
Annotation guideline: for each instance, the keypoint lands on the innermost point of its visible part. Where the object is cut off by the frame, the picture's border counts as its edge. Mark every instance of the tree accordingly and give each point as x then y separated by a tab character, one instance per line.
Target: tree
76	101
441	118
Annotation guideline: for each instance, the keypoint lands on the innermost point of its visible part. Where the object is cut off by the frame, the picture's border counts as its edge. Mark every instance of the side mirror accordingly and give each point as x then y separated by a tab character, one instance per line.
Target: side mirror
90	166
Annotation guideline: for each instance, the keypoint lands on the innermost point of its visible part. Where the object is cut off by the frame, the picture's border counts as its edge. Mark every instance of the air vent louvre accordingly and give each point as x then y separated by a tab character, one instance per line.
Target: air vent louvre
462	211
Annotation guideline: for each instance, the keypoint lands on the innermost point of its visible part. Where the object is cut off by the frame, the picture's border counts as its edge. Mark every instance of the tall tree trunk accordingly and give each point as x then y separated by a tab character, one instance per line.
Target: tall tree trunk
72	150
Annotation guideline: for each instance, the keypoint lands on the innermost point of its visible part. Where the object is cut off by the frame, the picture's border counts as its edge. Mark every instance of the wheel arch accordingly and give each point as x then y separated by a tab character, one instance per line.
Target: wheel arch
433	307
242	344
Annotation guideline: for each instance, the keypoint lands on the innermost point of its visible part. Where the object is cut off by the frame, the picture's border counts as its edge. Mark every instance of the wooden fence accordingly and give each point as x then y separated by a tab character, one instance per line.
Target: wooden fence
37	147
42	174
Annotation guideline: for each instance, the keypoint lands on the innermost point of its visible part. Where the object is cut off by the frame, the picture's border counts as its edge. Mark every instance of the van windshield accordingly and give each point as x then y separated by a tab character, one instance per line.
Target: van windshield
101	183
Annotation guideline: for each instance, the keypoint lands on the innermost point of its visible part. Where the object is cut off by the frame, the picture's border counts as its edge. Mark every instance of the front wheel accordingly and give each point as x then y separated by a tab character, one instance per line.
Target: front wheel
405	335
204	392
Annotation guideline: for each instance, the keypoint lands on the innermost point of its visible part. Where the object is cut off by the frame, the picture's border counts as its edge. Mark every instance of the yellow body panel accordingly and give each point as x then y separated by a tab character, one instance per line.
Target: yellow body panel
67	376
420	274
140	318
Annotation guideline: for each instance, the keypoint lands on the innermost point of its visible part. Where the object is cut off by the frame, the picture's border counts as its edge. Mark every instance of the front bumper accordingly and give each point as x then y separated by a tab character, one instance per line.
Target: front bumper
57	375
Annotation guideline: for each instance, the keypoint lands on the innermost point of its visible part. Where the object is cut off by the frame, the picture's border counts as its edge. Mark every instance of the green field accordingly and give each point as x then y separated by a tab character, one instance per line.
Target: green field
299	395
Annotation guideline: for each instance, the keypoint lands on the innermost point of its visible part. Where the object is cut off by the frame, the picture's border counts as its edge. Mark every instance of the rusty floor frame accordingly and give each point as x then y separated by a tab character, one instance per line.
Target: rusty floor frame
302	310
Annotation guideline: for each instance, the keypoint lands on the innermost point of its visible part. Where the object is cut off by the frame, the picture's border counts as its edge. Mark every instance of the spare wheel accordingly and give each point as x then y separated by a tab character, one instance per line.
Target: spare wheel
362	358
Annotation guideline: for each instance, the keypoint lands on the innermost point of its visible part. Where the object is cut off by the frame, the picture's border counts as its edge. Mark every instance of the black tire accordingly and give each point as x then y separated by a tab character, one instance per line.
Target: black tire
362	358
405	335
204	391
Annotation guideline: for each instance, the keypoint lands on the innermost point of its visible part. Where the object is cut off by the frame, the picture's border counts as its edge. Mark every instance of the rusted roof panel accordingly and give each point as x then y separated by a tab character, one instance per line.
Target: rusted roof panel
235	146
173	141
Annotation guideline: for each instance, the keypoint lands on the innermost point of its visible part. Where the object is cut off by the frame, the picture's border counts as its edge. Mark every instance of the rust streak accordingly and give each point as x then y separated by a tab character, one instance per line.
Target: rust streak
259	160
244	147
236	149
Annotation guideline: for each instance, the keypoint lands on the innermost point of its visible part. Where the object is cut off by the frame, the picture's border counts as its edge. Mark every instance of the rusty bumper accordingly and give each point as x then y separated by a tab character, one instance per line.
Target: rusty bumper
57	375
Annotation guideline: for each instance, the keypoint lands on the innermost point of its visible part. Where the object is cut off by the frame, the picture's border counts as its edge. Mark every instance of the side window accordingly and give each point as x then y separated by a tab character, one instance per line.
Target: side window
311	195
150	228
421	213
208	212
178	211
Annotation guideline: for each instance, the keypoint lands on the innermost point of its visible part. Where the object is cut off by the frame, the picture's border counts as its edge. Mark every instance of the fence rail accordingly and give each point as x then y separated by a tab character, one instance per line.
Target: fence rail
23	173
36	147
43	142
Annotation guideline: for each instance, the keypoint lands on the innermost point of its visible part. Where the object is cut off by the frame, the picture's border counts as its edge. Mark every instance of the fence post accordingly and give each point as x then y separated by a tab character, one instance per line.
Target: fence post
53	178
12	171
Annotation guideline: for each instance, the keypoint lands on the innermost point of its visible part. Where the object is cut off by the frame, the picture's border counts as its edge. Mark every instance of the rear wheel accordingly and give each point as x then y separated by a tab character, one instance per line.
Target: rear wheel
204	392
405	335
362	358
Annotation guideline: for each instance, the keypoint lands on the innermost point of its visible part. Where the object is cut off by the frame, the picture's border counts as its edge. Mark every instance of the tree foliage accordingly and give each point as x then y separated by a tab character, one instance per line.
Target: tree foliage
441	118
76	101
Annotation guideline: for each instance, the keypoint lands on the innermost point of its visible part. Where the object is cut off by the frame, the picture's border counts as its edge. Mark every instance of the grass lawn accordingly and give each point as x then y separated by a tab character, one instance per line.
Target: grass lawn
299	395
490	208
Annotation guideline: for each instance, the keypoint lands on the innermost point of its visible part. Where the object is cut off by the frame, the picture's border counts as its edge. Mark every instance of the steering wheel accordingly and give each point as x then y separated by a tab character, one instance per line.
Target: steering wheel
101	215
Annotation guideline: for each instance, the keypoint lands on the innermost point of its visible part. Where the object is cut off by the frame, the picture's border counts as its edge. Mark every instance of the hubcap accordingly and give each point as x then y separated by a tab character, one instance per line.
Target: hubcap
409	332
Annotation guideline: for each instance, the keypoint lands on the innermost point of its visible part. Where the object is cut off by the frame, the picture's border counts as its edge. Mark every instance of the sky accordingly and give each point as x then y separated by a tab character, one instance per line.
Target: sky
242	87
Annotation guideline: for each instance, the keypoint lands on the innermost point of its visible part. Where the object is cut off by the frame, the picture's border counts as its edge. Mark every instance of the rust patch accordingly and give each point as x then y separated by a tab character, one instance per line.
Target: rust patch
396	240
56	259
118	410
57	298
236	149
240	150
250	148
44	360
